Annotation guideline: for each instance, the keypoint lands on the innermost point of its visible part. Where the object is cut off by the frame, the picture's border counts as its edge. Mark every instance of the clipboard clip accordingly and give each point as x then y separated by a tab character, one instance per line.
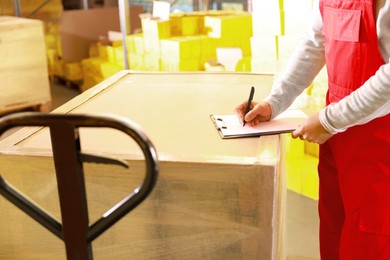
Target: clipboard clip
219	123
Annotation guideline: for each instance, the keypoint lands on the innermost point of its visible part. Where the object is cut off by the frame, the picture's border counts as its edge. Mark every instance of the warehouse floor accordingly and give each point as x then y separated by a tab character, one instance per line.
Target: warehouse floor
301	220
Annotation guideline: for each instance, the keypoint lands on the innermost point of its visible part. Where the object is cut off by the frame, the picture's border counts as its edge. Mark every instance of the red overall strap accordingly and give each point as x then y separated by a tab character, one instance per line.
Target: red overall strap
351	45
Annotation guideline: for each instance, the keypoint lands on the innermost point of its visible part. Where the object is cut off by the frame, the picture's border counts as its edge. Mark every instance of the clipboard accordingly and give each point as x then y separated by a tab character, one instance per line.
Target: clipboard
228	126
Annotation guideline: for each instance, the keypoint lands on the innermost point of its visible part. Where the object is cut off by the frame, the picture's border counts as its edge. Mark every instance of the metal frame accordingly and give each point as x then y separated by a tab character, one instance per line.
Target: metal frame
124	19
17	8
75	230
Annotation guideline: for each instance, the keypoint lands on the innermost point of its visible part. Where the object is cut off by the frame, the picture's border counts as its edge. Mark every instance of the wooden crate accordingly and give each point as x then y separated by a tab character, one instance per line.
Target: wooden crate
214	198
23	67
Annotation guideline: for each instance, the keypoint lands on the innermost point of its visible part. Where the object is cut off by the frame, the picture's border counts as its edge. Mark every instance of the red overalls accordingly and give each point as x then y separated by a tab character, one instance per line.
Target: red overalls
354	166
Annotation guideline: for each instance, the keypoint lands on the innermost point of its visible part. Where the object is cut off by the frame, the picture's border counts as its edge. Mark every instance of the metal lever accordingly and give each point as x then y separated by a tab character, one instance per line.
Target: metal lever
90	158
75	230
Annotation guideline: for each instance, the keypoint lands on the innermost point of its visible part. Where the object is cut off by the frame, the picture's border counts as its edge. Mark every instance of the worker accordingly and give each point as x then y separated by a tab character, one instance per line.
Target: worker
352	39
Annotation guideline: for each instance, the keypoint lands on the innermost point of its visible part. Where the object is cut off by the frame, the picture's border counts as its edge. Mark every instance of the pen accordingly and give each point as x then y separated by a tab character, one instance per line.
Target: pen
248	105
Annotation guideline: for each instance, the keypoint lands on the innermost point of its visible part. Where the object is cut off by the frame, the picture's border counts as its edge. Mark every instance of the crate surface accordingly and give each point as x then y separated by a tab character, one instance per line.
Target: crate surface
23	67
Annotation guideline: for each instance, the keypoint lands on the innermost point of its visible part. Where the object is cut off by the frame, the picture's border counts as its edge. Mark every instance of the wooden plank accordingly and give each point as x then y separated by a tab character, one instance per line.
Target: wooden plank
37	107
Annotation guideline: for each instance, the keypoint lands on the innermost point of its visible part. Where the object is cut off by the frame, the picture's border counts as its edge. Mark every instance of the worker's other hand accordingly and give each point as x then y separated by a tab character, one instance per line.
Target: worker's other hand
312	130
259	112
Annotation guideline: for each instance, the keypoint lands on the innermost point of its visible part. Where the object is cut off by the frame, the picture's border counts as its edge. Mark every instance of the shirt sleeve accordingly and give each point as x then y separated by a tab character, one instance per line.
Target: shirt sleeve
304	65
370	101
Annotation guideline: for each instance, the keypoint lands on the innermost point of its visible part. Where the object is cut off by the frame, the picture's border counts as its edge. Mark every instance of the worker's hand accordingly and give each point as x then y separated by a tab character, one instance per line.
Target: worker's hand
312	131
259	112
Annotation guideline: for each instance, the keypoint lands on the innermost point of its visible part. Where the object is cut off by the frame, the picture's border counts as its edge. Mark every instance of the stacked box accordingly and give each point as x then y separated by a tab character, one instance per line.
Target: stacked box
92	73
185	65
312	149
185	24
230	30
161	38
50	11
23	68
104	61
301	169
93	50
73	71
208	50
92	66
108	69
277	29
110	52
118	56
76	71
135	47
152	62
244	43
153	31
53	49
244	65
181	53
213	65
135	43
175	22
181	48
229	26
52	58
58	68
136	62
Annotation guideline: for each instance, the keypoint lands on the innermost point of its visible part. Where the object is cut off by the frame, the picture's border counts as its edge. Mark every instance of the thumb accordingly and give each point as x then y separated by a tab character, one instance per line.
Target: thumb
297	132
294	134
250	115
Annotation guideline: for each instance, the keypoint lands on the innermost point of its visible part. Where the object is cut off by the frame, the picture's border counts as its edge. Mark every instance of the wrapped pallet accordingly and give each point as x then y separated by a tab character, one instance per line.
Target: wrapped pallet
23	67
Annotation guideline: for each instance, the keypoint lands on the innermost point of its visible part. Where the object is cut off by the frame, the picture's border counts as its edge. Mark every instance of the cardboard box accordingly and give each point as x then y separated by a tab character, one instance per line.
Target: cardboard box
213	199
50	11
23	68
154	28
239	24
182	48
80	28
186	24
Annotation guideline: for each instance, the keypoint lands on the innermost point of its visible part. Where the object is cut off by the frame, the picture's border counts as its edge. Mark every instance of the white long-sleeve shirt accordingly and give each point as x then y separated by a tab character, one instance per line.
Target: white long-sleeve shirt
370	101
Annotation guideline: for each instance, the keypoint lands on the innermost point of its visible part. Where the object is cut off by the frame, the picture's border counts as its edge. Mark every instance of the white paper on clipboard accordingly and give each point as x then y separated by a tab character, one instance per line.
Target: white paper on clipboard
229	126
